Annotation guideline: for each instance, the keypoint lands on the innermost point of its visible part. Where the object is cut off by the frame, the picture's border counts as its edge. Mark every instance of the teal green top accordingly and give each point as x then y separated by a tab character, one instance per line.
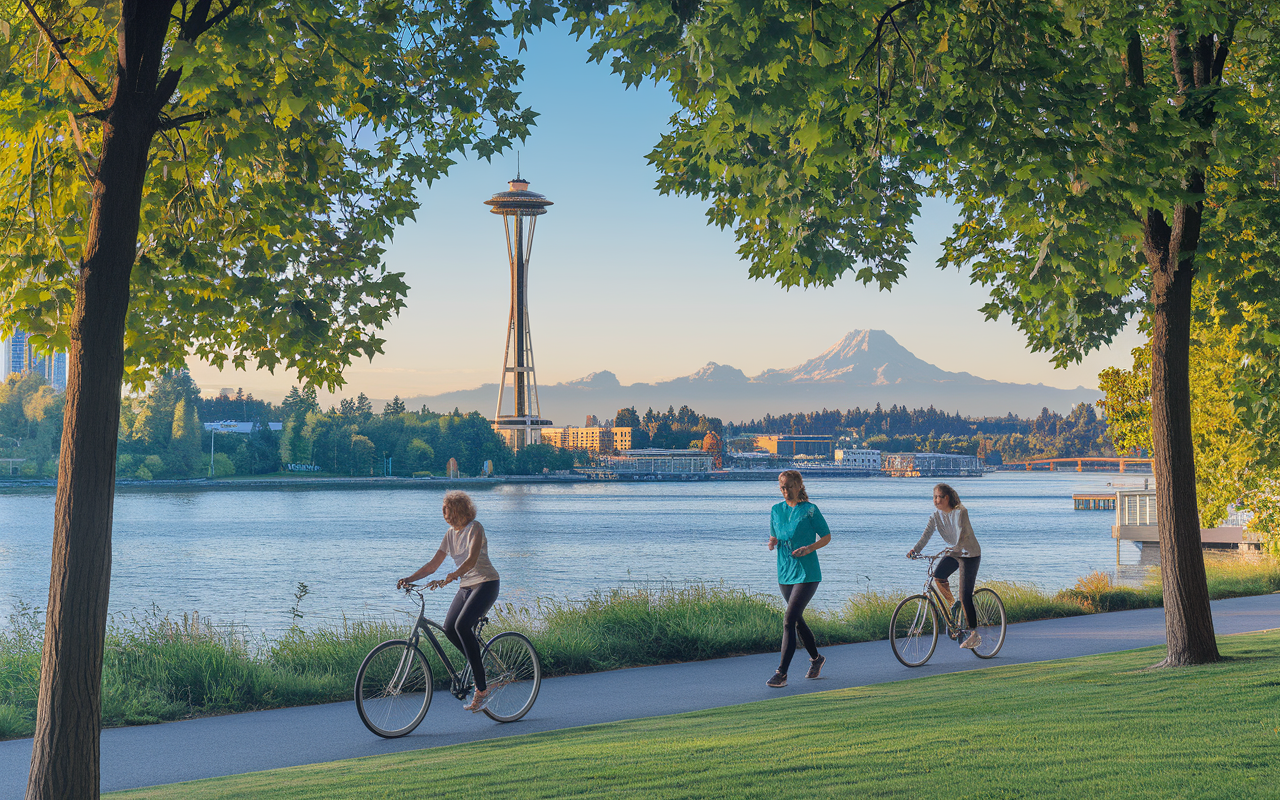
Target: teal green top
797	527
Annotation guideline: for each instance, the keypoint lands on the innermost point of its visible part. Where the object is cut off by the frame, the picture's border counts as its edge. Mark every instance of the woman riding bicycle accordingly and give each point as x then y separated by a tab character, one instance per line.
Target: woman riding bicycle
797	530
465	542
951	521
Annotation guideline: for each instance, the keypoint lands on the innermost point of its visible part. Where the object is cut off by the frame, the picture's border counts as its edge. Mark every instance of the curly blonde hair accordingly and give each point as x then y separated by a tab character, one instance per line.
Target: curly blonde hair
792	477
458	508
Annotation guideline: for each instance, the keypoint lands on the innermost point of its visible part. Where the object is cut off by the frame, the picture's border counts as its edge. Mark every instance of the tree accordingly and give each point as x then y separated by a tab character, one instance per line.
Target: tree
711	443
1102	156
215	178
1232	468
363	406
627	418
396	406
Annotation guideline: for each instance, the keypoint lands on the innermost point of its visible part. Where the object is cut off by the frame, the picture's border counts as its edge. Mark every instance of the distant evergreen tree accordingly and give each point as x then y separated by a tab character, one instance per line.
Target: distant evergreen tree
396	406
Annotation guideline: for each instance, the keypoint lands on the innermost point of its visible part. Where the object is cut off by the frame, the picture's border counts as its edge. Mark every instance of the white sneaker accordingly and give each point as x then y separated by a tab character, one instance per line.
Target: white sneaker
973	641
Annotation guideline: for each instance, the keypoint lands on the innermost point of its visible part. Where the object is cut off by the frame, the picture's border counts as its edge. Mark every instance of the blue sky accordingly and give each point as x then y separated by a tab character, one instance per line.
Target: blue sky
627	280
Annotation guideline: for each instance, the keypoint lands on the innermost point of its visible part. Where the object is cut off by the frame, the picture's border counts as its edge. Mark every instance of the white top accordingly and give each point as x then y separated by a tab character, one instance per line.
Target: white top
457	544
954	528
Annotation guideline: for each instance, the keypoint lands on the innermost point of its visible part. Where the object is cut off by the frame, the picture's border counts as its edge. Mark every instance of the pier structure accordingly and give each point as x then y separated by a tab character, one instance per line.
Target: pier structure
523	425
1052	463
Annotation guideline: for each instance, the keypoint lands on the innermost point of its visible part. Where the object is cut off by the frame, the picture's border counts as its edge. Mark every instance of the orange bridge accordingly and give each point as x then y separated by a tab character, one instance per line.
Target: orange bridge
1052	463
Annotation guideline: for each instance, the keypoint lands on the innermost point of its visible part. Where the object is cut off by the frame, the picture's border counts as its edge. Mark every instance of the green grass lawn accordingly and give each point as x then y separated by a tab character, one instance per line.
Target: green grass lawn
1096	727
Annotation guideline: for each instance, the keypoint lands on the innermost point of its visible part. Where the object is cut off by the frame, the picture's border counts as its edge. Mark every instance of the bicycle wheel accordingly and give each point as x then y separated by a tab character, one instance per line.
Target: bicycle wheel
513	674
991	622
913	630
393	688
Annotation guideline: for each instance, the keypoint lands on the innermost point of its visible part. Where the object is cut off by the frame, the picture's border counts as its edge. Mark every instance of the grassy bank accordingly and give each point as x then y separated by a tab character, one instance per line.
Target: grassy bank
160	668
1101	726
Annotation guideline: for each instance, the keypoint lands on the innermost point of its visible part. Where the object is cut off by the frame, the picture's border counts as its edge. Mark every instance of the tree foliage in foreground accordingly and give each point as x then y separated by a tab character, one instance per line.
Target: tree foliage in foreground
1104	156
214	178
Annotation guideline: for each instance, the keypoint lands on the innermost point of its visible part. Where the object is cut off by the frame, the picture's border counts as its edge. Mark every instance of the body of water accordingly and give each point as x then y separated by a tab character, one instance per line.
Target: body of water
237	556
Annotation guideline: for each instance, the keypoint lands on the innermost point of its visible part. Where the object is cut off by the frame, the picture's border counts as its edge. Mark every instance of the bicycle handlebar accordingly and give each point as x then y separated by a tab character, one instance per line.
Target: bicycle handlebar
937	555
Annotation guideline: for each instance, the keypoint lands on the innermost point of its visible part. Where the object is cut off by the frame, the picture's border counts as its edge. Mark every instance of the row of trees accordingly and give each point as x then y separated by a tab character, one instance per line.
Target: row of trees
900	430
670	429
30	426
161	436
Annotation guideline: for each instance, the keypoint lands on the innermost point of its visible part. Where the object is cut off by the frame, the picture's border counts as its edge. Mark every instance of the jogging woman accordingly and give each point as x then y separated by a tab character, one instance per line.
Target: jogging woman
797	531
951	521
465	542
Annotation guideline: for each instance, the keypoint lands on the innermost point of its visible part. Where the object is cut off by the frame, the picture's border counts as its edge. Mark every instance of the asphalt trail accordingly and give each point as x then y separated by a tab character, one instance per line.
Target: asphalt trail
204	748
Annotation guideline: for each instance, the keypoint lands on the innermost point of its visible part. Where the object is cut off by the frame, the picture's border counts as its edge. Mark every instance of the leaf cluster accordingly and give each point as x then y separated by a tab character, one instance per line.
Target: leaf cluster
292	145
1058	127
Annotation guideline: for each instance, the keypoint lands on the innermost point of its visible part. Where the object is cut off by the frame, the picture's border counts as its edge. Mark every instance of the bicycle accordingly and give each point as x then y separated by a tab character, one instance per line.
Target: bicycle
394	684
915	621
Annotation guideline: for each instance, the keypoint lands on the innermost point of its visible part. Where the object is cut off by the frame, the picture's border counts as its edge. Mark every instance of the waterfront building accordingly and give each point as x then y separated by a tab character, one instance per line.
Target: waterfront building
594	439
655	461
858	459
17	356
519	209
923	465
803	444
235	426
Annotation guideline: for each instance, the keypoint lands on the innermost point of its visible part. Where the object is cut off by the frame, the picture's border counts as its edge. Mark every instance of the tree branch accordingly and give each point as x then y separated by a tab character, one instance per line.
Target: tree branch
879	31
56	45
80	148
175	122
1220	57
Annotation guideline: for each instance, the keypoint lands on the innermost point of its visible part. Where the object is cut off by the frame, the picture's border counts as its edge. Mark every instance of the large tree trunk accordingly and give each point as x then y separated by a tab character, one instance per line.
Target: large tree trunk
1170	252
64	758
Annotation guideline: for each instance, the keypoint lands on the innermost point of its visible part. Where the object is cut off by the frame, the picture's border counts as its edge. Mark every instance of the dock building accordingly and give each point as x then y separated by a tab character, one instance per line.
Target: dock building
931	465
791	445
657	462
858	459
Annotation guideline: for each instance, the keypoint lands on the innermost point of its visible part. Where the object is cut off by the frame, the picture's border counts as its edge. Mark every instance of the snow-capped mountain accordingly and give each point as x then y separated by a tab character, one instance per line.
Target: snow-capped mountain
864	368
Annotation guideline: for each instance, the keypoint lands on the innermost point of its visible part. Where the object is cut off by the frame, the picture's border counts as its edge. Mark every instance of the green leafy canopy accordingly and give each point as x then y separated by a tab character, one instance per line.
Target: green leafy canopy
815	129
291	148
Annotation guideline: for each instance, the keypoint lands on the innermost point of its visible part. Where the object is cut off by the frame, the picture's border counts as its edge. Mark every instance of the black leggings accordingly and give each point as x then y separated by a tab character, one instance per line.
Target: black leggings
468	606
968	575
797	596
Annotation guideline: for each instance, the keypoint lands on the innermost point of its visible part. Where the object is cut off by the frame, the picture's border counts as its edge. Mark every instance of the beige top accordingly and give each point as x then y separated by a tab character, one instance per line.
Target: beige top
954	528
457	544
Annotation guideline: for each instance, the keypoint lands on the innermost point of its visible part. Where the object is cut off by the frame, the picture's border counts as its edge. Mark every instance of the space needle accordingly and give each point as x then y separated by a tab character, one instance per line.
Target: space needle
520	209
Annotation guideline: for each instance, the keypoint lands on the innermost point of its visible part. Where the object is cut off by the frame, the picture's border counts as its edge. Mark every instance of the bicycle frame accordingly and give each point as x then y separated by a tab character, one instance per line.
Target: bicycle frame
938	602
460	682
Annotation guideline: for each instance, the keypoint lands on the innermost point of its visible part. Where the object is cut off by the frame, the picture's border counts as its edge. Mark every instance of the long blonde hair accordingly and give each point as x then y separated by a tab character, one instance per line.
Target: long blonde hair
792	477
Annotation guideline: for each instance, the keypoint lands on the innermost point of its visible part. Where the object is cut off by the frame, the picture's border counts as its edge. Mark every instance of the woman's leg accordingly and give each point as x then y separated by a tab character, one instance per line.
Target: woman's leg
941	573
968	577
468	606
797	596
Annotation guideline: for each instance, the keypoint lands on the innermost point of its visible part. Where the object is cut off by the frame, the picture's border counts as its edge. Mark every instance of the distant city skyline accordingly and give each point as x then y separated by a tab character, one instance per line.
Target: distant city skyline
17	357
625	280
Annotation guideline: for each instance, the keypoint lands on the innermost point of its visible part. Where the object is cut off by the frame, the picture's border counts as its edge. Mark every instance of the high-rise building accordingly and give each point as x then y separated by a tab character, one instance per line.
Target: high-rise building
17	357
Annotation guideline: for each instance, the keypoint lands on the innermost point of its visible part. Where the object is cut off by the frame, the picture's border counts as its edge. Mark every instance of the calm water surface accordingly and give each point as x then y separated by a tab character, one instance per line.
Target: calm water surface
236	556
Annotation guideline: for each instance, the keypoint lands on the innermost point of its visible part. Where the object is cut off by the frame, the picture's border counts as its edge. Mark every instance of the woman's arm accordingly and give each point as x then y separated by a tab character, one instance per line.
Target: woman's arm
427	568
924	540
809	548
822	532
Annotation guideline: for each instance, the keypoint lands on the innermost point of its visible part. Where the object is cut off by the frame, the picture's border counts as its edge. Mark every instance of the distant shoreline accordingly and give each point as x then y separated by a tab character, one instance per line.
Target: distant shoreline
268	483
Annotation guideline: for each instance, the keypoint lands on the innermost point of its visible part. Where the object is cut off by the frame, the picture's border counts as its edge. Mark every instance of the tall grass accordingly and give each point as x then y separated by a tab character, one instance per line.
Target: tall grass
159	667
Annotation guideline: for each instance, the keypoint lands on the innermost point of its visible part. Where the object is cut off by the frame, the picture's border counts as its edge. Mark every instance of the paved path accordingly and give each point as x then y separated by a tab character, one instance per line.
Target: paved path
202	748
